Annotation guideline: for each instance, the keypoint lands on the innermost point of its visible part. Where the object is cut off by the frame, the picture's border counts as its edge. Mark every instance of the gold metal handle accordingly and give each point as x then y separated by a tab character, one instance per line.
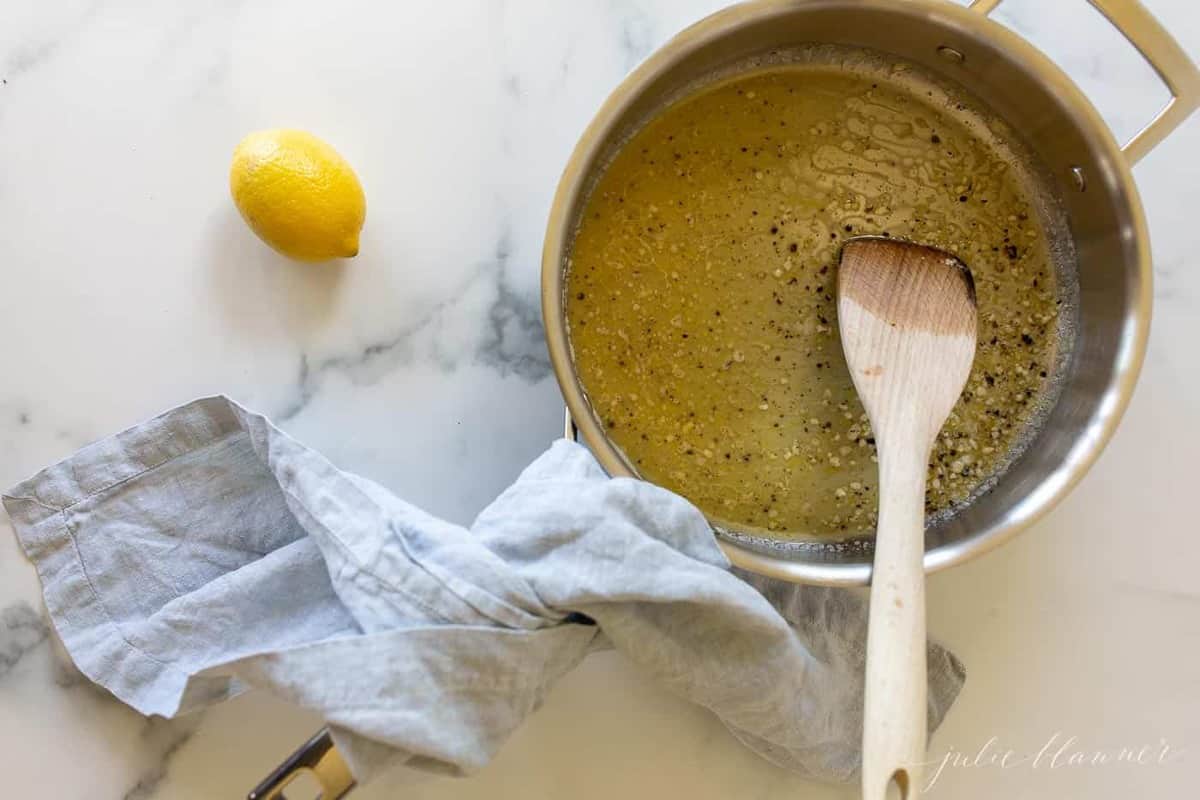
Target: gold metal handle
320	757
1162	52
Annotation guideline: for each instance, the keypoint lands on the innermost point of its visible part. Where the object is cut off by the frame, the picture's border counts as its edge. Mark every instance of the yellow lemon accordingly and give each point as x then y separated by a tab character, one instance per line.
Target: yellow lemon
298	194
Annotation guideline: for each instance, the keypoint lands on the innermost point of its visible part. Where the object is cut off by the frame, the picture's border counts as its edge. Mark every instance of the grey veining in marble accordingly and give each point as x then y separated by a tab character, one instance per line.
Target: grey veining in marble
162	739
21	630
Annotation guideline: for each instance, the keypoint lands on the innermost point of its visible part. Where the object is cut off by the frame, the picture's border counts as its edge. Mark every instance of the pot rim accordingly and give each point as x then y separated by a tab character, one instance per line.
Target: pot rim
1128	358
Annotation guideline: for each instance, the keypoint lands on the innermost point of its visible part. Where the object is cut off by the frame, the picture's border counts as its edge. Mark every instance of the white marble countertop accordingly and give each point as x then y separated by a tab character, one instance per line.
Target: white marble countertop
130	285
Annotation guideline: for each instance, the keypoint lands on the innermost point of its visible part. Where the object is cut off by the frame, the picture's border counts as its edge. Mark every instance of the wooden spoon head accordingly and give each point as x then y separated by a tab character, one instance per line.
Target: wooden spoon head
908	323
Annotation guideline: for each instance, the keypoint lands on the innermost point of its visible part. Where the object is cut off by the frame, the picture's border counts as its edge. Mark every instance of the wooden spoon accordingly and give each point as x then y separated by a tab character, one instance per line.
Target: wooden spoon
907	319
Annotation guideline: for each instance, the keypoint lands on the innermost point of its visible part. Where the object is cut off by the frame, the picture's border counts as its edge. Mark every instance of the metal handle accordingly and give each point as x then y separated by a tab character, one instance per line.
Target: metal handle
320	757
1162	52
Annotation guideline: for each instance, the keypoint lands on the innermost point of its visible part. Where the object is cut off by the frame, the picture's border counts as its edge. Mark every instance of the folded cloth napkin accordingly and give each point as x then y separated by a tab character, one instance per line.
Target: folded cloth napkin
205	552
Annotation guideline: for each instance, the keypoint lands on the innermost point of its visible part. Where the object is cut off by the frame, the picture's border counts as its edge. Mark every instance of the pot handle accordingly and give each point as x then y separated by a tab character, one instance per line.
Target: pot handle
1162	52
319	756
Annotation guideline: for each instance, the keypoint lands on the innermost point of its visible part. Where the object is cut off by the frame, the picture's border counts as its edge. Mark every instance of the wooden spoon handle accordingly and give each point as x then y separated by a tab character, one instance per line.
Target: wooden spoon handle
894	724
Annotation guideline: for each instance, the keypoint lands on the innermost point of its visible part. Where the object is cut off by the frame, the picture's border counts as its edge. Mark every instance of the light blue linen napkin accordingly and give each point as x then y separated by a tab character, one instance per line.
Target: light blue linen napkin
205	552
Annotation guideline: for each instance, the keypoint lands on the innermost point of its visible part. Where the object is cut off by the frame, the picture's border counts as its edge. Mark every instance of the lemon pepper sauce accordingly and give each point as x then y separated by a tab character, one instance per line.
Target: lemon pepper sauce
701	292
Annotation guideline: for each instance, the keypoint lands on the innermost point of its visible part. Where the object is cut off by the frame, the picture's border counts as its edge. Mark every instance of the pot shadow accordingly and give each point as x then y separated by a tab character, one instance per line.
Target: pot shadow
260	291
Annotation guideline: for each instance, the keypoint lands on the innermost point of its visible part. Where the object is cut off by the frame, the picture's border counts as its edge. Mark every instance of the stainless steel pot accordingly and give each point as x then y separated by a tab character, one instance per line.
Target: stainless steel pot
1091	173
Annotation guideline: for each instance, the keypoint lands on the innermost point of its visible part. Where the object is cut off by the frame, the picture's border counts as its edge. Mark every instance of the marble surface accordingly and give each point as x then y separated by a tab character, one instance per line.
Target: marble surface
130	285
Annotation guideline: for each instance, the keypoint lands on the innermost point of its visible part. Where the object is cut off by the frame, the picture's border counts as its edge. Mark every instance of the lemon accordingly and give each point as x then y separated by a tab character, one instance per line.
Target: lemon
298	194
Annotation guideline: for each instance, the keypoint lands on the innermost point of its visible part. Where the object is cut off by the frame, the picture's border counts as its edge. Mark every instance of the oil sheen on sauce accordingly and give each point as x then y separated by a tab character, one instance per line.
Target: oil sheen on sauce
701	293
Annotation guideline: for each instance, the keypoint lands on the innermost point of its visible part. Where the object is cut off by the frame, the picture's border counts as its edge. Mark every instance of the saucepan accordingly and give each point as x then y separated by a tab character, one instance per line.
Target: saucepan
1088	181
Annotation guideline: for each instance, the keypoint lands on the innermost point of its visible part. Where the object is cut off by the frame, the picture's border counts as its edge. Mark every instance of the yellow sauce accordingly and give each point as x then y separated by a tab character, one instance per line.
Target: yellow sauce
700	293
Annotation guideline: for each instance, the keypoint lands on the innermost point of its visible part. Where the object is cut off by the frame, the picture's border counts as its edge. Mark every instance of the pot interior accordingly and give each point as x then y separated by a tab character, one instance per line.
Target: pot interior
1086	192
